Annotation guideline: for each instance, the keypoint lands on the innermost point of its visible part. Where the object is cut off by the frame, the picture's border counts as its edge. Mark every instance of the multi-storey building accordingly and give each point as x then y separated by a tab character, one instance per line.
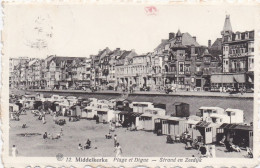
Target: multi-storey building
15	71
186	64
237	59
58	72
97	67
122	71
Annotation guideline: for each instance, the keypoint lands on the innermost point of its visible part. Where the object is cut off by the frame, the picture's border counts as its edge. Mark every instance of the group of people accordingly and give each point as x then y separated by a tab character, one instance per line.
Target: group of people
86	146
51	136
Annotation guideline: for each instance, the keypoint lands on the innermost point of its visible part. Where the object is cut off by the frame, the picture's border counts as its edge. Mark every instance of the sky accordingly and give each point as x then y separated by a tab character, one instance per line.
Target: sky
82	30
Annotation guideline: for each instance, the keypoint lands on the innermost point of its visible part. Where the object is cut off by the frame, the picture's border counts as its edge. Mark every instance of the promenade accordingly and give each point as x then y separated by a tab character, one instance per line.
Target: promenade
155	93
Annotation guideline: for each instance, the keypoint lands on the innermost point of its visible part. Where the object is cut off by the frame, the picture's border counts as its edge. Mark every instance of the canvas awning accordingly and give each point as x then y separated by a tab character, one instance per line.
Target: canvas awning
240	78
222	78
228	78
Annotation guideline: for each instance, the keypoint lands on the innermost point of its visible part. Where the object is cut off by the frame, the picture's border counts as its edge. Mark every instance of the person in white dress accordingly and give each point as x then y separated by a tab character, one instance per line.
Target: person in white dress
118	150
14	151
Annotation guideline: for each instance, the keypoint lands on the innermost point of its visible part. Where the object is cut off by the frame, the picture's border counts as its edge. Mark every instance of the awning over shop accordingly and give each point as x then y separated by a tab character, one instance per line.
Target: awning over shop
63	83
228	78
240	78
222	78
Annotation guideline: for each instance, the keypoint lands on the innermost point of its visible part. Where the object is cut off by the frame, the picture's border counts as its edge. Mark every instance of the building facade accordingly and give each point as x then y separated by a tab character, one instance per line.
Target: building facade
237	59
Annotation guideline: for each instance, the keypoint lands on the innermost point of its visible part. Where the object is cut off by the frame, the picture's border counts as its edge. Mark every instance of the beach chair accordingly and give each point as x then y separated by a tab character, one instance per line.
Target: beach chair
249	152
169	139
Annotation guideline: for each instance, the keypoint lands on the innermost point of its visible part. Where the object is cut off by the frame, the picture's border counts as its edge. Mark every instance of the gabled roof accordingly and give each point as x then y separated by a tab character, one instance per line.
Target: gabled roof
125	54
162	44
188	40
203	124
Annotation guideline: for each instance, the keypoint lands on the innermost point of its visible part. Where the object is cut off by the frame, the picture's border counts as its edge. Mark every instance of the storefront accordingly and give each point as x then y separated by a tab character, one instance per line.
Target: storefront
227	82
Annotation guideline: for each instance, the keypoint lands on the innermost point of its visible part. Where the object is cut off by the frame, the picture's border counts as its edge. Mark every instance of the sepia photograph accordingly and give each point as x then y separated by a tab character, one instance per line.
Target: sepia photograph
120	81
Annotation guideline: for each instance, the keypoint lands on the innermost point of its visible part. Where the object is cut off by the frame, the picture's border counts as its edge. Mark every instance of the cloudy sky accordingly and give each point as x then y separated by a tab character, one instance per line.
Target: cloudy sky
77	30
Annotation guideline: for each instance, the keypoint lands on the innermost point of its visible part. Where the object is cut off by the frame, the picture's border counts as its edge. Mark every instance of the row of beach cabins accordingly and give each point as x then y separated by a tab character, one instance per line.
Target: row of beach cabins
209	125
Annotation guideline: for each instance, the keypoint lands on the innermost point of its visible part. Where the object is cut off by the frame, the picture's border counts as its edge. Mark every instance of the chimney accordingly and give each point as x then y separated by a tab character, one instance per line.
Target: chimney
209	43
171	35
194	37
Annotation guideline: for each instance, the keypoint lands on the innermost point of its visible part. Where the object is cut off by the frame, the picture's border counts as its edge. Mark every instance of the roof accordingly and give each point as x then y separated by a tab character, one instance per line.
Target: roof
59	59
148	115
214	108
125	54
176	119
179	103
236	127
162	44
203	124
193	122
164	117
234	110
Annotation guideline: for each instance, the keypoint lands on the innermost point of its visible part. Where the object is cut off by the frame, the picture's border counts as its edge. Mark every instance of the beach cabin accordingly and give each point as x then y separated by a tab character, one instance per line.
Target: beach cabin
103	101
72	100
206	131
112	103
174	126
191	122
241	135
235	115
28	101
13	107
122	105
89	112
181	109
159	105
155	111
129	118
104	113
93	100
140	107
75	111
161	124
28	97
214	115
146	122
37	104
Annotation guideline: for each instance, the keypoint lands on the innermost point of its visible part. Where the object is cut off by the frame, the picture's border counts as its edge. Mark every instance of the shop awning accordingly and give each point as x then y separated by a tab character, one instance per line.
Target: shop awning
222	78
63	83
239	78
228	78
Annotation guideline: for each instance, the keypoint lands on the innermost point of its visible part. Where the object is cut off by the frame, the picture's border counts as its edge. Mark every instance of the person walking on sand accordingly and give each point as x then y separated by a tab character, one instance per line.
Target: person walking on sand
14	151
118	150
115	140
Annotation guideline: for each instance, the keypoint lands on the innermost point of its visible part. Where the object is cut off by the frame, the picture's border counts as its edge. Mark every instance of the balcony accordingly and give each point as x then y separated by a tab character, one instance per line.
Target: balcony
233	70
